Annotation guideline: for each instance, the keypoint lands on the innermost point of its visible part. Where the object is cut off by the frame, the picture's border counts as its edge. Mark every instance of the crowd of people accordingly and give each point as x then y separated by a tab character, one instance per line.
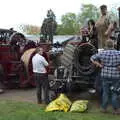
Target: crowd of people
108	60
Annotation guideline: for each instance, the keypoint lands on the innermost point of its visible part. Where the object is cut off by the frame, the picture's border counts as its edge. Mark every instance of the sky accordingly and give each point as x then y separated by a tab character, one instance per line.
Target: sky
17	12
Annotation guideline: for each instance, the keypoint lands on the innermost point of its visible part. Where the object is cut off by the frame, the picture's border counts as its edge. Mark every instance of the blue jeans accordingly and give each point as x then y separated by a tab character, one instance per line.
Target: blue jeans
109	96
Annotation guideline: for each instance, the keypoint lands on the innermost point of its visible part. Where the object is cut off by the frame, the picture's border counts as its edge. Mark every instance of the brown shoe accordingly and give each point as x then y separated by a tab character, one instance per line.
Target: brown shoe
1	91
103	110
39	102
116	112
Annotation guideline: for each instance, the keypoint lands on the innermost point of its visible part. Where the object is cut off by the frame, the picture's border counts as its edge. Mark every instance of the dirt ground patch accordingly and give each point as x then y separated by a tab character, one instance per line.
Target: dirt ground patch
28	95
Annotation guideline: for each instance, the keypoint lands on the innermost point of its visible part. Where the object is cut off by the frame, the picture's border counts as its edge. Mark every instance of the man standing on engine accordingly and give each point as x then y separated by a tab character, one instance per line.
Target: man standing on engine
41	77
104	26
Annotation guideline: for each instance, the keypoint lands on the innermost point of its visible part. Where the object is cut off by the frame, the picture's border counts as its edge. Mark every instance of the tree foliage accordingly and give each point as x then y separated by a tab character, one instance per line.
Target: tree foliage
71	23
68	24
88	11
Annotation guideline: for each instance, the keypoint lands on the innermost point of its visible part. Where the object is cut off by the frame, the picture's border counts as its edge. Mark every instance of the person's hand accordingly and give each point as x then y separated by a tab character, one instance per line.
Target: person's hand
106	33
99	65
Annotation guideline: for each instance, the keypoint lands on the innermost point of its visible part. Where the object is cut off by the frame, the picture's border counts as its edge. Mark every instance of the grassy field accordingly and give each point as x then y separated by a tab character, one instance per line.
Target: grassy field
12	110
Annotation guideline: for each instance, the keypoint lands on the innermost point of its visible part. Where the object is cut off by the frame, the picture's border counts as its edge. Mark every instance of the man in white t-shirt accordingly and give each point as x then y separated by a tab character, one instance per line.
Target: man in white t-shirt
41	77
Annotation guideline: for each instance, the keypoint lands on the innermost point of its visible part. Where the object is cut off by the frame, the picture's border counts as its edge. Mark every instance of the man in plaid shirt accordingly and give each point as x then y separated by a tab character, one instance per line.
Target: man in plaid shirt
109	62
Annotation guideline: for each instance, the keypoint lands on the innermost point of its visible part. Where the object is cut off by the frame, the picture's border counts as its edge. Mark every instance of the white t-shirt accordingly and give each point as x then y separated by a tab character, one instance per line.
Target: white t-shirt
39	64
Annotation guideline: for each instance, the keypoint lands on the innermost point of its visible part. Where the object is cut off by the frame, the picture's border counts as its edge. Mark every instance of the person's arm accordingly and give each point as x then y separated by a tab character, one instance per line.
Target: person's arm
96	63
94	59
45	62
111	25
109	30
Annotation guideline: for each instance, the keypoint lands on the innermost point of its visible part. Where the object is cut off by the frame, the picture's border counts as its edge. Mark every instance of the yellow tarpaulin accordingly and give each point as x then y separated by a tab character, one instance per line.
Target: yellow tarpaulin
62	103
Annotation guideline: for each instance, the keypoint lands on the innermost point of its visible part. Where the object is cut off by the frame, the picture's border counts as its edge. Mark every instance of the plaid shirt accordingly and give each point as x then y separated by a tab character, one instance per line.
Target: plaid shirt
110	60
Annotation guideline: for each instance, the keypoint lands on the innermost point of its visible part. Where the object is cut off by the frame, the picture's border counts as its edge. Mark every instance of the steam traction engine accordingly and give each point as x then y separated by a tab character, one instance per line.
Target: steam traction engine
16	54
10	64
76	58
15	59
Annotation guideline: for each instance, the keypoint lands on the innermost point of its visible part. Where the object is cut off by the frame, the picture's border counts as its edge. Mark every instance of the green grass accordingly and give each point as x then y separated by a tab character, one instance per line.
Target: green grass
12	110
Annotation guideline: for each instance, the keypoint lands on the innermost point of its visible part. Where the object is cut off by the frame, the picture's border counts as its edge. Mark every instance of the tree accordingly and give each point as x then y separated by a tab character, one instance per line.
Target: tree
114	14
71	23
88	11
68	25
30	29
